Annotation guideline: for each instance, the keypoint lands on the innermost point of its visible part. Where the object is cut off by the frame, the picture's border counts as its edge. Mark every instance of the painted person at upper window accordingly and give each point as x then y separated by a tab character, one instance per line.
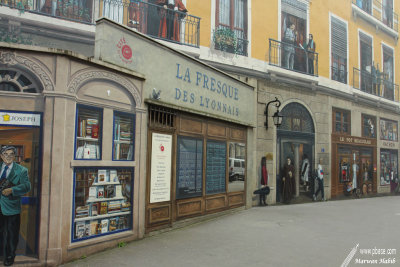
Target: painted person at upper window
311	46
14	183
170	19
289	45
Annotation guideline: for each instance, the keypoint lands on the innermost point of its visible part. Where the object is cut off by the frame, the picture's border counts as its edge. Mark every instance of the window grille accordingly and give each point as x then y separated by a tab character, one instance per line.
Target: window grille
296	118
161	117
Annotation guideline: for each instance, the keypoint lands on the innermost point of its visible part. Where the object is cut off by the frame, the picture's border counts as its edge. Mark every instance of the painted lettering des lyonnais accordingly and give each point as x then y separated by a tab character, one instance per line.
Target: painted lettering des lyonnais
217	95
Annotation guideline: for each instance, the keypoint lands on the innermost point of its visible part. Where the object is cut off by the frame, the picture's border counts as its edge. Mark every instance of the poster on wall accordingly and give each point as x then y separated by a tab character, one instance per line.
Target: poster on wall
161	151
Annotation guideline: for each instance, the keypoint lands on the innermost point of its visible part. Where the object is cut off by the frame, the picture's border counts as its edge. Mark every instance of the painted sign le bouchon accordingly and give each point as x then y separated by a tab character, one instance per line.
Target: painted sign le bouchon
181	80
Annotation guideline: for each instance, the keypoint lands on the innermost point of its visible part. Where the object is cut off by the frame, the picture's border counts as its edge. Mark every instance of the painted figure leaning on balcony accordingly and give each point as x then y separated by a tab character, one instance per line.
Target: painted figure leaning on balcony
170	19
289	45
311	46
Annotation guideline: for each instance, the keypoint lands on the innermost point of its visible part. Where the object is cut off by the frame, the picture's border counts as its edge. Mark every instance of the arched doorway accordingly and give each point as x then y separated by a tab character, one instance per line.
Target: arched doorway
295	139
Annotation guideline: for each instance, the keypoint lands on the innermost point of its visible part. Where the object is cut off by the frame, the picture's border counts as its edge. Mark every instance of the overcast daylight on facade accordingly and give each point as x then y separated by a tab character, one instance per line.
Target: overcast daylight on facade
132	118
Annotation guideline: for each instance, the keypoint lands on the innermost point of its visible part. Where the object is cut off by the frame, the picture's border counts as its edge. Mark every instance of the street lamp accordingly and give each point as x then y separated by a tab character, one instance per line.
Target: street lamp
277	117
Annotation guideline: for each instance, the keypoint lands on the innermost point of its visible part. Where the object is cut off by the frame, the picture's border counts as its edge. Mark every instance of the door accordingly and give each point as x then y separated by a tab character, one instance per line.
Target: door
27	142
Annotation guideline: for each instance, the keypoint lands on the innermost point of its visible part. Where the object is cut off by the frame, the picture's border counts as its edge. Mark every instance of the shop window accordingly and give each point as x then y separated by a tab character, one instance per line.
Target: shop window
366	167
341	121
102	202
368	126
231	22
124	133
345	158
215	167
237	166
88	133
389	166
17	81
388	130
189	167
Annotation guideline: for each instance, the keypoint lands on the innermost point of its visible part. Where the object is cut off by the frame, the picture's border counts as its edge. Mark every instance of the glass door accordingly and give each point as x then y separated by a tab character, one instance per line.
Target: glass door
27	142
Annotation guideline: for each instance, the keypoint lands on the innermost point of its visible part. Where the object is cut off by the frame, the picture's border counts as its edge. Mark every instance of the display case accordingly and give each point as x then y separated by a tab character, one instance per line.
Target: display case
123	143
102	201
88	133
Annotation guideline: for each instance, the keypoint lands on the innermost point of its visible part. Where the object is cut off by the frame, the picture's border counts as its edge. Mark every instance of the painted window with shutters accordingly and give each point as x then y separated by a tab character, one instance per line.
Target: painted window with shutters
339	50
231	19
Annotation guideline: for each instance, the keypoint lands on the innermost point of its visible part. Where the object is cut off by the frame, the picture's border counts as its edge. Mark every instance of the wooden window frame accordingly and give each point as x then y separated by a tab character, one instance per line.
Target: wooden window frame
342	111
232	17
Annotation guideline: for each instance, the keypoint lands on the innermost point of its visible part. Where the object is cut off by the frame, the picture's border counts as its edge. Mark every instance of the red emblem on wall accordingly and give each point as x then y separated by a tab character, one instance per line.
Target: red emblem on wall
124	51
162	148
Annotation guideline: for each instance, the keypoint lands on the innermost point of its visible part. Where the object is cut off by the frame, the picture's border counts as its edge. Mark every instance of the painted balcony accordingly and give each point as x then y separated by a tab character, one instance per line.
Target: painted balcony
381	16
375	84
149	19
293	57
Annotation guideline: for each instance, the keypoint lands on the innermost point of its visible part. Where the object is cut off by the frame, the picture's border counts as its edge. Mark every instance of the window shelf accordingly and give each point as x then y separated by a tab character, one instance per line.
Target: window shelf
102	216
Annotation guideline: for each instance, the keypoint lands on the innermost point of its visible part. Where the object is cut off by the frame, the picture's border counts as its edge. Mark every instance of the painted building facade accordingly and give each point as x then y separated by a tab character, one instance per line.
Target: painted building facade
338	95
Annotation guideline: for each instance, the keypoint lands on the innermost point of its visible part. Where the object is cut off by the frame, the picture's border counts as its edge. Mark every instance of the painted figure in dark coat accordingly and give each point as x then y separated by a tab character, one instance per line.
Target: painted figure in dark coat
288	181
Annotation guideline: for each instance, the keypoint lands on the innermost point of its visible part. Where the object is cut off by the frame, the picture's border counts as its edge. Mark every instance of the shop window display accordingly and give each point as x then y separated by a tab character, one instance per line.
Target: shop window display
237	166
102	201
389	172
216	167
388	130
88	133
189	176
123	144
369	126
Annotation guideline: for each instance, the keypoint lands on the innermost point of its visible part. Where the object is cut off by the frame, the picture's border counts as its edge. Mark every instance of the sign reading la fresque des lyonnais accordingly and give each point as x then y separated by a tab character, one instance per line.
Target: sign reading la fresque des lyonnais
181	80
161	151
19	119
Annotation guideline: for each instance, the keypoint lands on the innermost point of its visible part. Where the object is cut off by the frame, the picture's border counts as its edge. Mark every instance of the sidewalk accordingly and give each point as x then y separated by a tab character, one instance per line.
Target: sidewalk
312	234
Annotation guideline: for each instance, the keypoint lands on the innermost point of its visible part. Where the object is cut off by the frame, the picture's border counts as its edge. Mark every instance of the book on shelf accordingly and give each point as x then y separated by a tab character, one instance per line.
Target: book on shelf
113	224
102	176
94	225
87	229
118	191
82	211
100	192
85	127
126	206
114	206
122	222
103	208
104	226
95	131
109	191
130	153
92	192
113	176
80	229
94	209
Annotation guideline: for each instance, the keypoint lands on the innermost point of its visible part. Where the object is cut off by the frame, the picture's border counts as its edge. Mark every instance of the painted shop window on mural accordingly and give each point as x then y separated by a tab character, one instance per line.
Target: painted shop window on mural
368	126
215	167
341	121
124	134
189	167
102	202
344	164
237	166
88	133
389	167
388	130
366	167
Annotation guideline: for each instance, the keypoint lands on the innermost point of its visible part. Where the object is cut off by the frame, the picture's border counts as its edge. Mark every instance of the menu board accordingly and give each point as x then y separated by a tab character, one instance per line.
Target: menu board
189	167
160	168
215	167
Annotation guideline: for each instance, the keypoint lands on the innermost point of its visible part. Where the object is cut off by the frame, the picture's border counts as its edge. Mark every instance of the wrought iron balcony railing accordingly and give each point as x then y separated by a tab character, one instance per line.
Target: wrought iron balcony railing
150	19
293	57
74	10
154	20
381	12
339	75
375	84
